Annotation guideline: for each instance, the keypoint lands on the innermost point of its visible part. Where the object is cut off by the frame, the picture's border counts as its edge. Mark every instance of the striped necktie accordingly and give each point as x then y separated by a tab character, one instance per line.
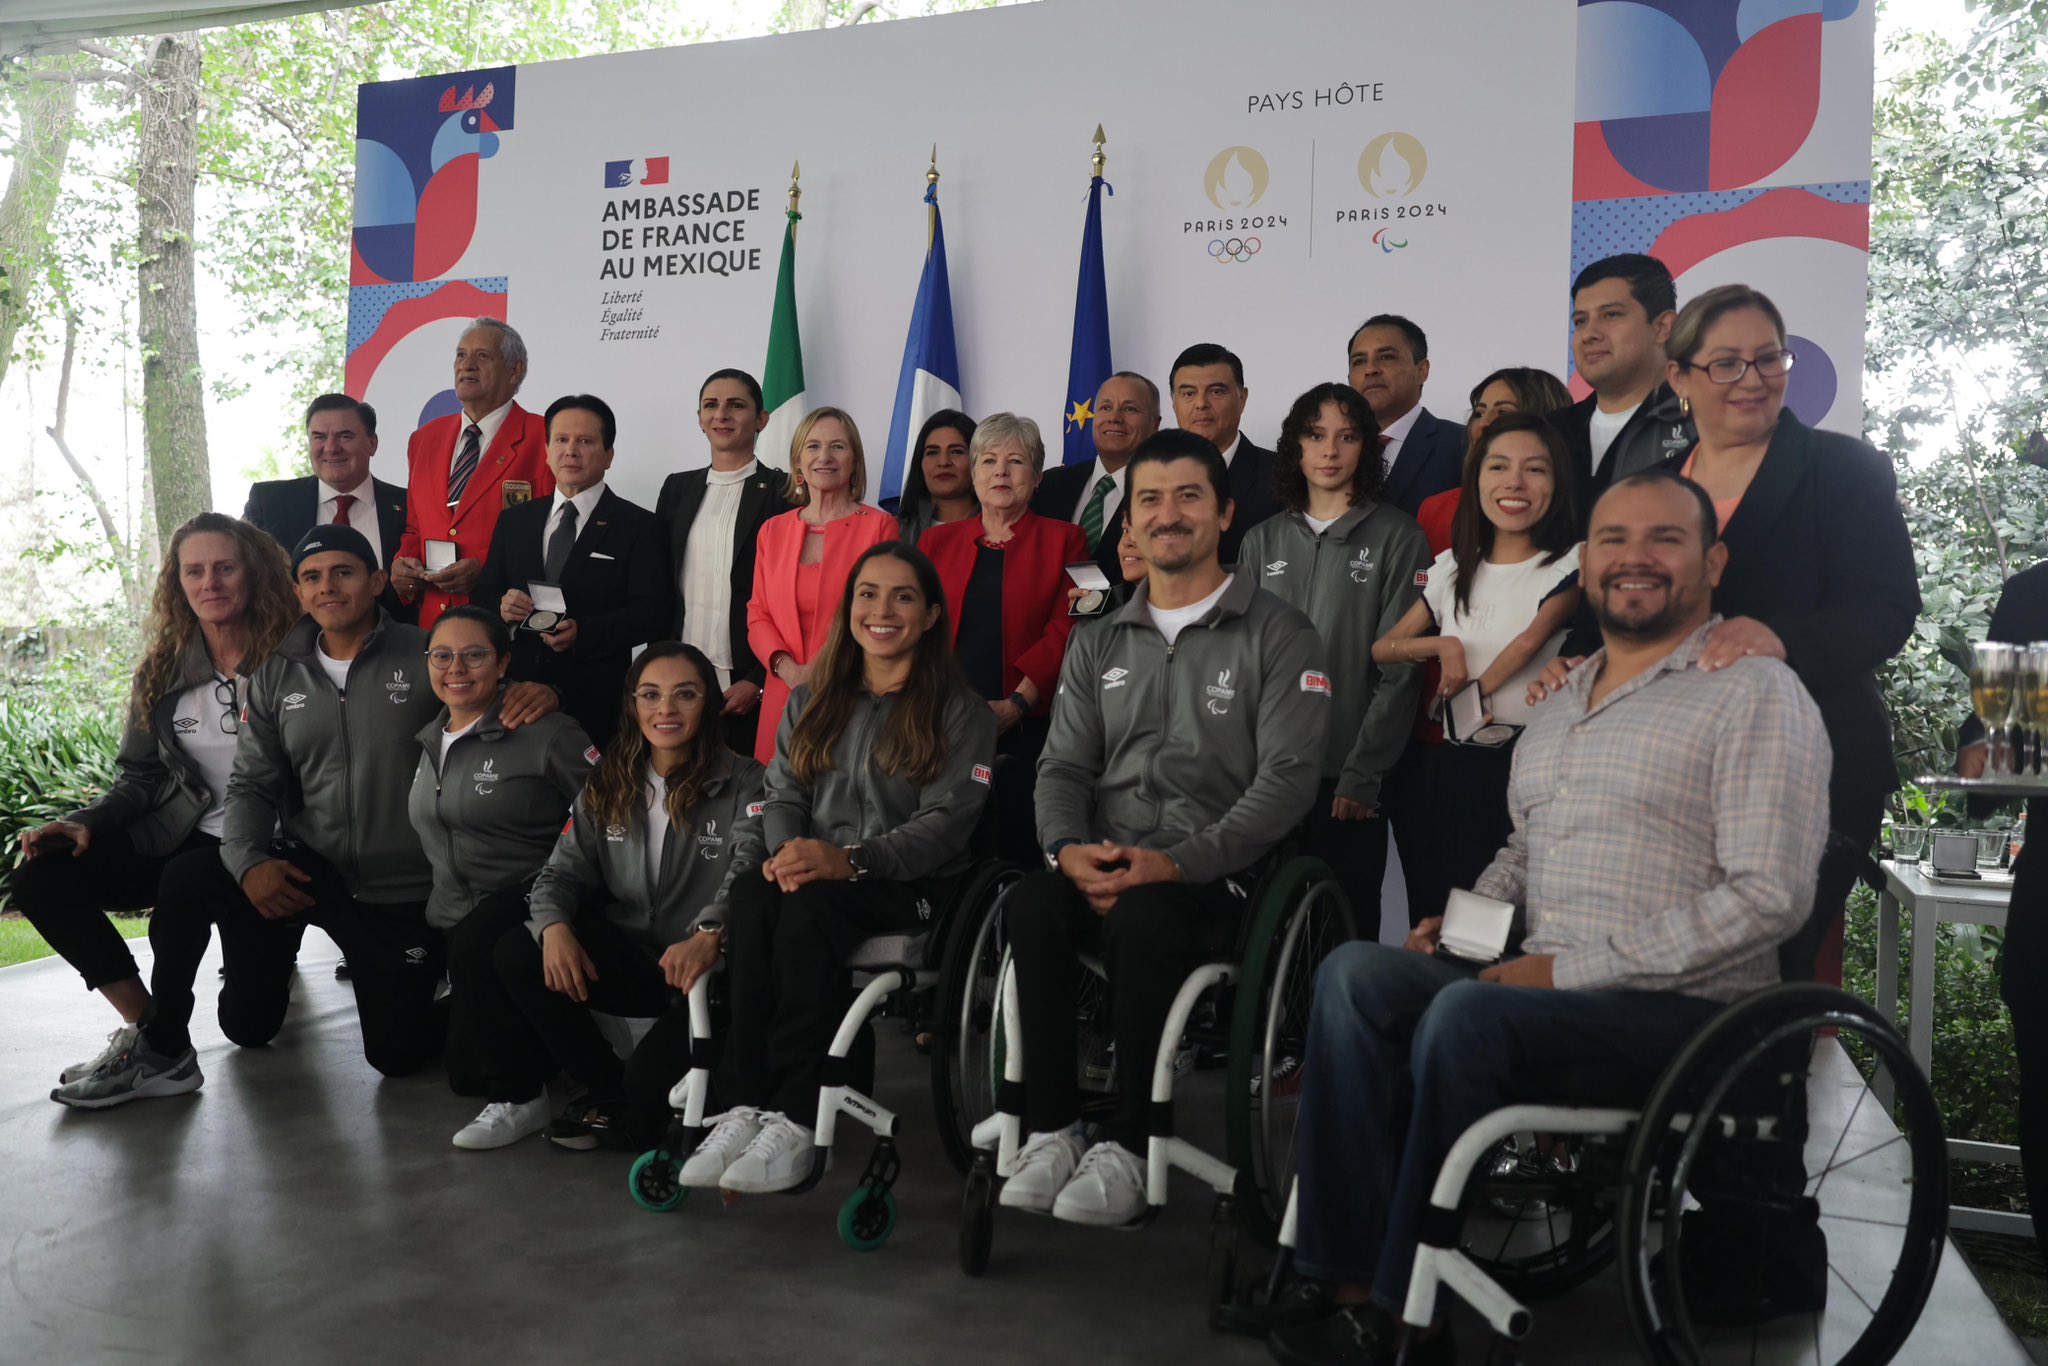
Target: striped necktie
1091	516
465	463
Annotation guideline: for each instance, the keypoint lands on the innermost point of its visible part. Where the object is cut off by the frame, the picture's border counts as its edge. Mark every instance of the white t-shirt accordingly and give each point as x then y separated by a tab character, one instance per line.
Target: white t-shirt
1170	620
1319	524
1505	598
657	825
1604	428
448	739
211	748
335	669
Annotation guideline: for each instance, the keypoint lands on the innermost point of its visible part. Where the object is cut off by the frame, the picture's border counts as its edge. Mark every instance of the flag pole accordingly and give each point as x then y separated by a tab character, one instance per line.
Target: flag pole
931	198
1098	161
796	191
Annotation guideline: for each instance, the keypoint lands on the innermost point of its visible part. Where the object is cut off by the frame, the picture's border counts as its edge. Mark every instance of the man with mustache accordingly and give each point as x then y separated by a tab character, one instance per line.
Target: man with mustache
1184	747
1638	931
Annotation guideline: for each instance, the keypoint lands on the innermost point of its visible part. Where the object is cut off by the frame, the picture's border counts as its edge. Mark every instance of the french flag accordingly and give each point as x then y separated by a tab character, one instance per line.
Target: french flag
930	377
648	171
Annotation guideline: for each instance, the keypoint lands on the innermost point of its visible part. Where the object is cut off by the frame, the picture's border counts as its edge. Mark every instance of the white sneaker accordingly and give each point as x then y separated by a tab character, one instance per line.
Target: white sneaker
730	1133
777	1159
1044	1166
118	1042
503	1122
1108	1188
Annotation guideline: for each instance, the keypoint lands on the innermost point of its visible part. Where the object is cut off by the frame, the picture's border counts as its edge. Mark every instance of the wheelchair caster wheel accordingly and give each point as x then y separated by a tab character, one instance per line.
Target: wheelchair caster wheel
1222	1275
867	1218
653	1182
977	1218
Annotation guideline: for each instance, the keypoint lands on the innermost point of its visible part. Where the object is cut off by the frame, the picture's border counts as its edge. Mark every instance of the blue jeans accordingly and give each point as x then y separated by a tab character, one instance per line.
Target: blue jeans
1383	1016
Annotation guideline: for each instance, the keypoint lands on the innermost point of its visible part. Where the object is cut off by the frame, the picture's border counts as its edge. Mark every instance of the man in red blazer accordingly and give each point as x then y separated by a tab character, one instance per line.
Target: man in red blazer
468	467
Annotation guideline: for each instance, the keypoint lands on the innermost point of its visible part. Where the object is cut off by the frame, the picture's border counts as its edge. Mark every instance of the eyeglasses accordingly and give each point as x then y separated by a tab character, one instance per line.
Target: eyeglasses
473	657
1728	369
231	706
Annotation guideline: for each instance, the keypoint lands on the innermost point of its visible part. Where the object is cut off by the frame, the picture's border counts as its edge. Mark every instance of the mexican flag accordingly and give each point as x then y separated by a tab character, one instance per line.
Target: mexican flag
782	378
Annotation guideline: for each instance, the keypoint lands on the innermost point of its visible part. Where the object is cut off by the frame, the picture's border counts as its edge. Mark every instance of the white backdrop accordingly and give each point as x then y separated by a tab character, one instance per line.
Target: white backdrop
1460	218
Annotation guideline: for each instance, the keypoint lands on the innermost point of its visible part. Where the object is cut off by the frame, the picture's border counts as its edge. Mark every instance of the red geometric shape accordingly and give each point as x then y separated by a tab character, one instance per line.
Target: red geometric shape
456	299
447	218
1595	172
359	272
1775	213
1765	102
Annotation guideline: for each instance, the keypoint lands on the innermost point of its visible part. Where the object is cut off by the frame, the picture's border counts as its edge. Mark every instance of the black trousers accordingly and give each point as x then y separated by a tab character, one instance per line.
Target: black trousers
395	961
1468	812
491	1051
67	899
628	983
1356	852
2022	967
1408	797
1014	796
1151	939
788	988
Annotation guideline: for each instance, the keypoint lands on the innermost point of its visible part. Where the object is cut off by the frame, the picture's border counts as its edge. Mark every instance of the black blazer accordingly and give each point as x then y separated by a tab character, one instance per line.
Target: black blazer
760	498
619	593
1819	552
1431	461
1251	488
1655	432
289	508
1059	493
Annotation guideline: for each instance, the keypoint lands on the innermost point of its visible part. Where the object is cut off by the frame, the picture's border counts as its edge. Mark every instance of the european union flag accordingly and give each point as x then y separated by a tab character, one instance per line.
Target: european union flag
617	173
930	378
1088	363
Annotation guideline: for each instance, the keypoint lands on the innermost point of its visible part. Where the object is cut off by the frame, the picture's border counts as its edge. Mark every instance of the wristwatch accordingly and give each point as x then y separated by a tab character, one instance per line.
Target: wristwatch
708	925
858	858
1017	699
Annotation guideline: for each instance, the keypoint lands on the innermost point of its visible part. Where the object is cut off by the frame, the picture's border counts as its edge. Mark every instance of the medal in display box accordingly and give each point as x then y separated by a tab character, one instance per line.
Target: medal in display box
550	608
1095	600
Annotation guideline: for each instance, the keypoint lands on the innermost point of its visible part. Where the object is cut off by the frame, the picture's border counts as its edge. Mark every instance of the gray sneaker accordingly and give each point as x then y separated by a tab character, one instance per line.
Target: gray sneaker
132	1074
118	1042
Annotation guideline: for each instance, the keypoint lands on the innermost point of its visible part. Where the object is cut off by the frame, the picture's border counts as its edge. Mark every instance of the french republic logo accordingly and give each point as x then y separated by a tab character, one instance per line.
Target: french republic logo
1311	681
984	775
646	171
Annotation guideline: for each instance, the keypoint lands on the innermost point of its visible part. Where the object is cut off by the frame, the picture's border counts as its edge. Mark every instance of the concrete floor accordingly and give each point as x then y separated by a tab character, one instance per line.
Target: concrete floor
298	1209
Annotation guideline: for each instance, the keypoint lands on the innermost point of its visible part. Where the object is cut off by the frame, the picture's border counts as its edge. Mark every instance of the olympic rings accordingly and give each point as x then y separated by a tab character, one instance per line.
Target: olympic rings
1236	249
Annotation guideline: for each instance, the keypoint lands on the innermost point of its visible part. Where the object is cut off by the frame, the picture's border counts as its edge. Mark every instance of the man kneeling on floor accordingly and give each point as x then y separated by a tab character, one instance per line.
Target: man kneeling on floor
1668	823
1185	744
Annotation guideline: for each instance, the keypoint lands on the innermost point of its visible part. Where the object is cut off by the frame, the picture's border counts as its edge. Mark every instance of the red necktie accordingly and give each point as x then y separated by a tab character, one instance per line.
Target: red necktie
341	506
1385	441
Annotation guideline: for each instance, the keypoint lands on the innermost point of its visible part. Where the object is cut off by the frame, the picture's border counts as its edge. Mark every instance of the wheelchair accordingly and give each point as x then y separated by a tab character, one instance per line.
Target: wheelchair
1297	914
888	970
1763	1202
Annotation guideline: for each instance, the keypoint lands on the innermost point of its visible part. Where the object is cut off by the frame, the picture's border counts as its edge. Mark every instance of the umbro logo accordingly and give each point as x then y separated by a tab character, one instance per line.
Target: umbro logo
1277	568
294	701
1114	678
416	955
186	724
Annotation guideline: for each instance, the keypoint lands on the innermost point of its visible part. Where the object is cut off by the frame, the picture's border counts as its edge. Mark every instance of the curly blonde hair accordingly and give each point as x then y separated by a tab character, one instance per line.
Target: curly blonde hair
168	631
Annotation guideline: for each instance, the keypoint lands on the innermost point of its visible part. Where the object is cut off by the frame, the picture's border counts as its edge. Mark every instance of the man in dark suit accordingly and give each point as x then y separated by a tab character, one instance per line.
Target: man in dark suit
1126	412
1389	357
1207	384
713	517
1622	311
341	436
609	558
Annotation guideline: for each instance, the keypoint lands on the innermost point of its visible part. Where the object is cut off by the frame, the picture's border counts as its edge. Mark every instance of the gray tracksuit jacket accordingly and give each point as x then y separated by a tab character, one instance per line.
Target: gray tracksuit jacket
906	831
489	813
606	865
159	793
1354	581
334	767
1207	749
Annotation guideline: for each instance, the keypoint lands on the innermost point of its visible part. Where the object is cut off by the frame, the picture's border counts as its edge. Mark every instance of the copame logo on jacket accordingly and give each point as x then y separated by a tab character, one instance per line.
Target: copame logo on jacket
710	844
398	688
486	778
1361	565
1221	694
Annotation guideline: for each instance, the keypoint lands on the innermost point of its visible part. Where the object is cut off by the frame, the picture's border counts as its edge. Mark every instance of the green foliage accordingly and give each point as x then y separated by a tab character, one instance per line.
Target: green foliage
56	754
19	942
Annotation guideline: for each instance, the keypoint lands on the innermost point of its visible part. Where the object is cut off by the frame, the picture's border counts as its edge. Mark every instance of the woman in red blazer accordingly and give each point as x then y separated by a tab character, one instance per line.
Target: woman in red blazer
1004	573
802	559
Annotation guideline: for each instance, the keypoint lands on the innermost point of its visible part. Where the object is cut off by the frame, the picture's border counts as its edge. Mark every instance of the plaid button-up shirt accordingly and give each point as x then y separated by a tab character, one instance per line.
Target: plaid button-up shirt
1668	839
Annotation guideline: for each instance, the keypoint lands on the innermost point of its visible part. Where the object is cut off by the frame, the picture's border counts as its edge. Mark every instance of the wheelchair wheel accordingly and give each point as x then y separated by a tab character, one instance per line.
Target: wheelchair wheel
967	1062
1537	1219
1771	1208
1300	916
867	1218
653	1182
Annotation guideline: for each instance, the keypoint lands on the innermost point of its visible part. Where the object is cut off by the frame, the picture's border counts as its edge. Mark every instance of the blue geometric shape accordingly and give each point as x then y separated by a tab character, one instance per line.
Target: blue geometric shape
457	136
1811	385
1668	151
1635	62
387	251
1832	10
440	405
367	304
385	195
1754	16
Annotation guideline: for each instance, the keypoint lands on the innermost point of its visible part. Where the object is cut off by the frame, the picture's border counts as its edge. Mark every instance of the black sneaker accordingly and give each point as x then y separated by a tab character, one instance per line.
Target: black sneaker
585	1124
1300	1301
341	973
1357	1335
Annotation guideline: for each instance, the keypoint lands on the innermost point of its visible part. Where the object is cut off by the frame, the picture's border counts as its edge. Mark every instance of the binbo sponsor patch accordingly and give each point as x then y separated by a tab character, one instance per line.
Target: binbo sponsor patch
592	754
1422	578
1311	681
984	775
756	808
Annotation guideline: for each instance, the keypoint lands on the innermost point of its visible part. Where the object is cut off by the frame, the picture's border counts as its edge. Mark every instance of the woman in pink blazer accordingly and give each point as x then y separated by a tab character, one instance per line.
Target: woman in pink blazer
803	558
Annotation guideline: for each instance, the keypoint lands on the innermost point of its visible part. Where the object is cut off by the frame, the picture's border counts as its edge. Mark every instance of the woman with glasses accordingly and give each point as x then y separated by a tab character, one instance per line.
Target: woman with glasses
223	601
488	803
1820	564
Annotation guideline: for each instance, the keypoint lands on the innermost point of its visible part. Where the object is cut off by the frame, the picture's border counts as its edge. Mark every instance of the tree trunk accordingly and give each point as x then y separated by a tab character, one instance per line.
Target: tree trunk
48	103
173	406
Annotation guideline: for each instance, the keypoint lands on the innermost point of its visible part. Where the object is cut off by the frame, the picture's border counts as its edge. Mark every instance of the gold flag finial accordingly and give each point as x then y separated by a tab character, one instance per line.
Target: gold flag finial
796	192
1099	159
931	177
